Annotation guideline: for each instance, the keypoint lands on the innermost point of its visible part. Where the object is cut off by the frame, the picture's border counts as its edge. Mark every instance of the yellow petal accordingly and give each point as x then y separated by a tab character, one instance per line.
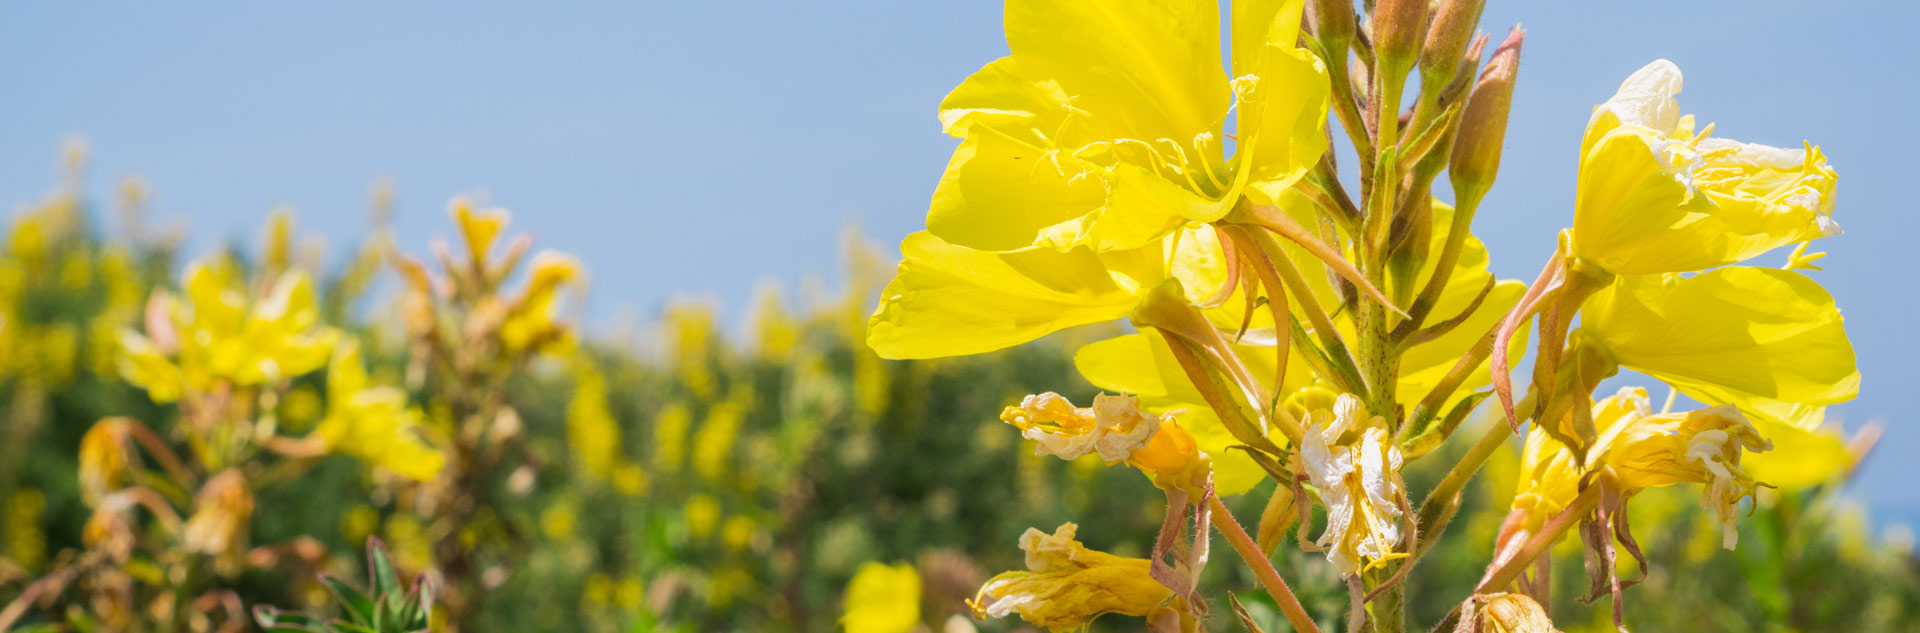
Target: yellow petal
1800	458
1768	341
948	300
1143	69
1000	194
1656	196
1282	92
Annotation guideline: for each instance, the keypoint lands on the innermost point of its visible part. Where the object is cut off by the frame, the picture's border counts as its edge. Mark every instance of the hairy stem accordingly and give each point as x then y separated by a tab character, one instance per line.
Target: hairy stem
1262	568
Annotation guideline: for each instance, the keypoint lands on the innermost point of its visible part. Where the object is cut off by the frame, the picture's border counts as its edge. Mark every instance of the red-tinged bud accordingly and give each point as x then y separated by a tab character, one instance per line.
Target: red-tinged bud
1483	126
1332	22
1453	28
1398	27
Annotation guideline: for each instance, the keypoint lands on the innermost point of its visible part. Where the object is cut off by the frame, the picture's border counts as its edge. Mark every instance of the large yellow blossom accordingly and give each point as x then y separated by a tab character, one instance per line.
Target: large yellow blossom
1066	584
1656	195
1104	127
373	424
1766	340
224	334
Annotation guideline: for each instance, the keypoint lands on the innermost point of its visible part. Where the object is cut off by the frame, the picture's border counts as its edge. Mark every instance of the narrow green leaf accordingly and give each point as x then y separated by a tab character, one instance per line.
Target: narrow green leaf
358	605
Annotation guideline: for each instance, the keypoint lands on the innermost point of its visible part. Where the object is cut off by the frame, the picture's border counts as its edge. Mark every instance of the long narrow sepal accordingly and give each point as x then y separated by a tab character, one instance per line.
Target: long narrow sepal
1276	220
1550	278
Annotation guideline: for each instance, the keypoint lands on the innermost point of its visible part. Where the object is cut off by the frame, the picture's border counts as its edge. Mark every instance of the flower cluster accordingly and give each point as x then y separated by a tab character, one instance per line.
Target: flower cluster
1292	330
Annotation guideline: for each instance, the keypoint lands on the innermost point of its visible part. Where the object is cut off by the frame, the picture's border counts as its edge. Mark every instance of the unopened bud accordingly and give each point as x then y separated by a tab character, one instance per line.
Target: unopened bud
1277	518
1483	126
1453	27
1398	27
1333	24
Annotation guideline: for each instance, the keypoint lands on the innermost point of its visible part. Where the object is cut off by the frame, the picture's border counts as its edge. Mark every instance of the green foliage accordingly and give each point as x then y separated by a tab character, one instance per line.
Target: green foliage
387	610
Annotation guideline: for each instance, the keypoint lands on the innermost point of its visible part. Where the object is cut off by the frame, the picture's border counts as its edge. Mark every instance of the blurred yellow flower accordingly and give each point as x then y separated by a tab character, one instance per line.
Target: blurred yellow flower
1657	196
532	323
373	424
592	431
221	334
882	599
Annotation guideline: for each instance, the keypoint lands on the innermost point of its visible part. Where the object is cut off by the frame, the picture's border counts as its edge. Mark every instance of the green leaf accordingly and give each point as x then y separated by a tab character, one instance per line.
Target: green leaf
274	621
358	604
385	580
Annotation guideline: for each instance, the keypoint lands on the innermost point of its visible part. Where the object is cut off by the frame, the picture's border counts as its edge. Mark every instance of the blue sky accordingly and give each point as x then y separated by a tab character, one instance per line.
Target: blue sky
693	149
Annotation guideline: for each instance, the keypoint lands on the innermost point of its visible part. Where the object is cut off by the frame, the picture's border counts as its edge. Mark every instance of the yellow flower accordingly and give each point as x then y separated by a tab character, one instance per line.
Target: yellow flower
592	431
1356	467
1104	127
373	424
1657	196
1699	447
1642	449
1766	340
223	335
1066	585
478	229
700	514
882	599
1116	429
532	322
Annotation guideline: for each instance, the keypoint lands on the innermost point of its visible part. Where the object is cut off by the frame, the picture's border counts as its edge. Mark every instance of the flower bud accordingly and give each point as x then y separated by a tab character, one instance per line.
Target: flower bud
1398	26
1333	25
1277	518
1453	28
1483	126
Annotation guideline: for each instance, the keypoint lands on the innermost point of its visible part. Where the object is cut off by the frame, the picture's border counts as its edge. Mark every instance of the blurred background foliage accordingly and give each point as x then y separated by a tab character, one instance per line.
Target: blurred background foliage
710	473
